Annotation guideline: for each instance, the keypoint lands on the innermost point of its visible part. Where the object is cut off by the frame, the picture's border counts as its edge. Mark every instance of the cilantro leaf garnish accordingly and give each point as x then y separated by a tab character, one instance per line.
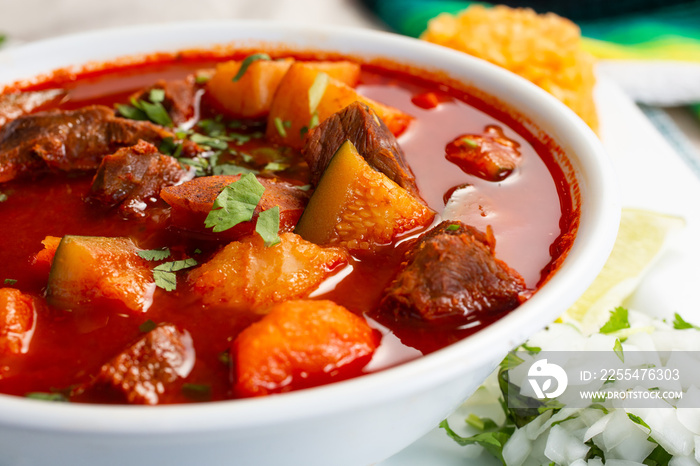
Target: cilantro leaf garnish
680	324
235	204
228	169
213	126
470	142
214	143
195	391
147	326
276	166
280	126
492	442
247	62
154	254
164	274
268	226
618	350
168	146
453	227
10	281
618	321
316	91
3	197
638	420
202	79
47	396
144	110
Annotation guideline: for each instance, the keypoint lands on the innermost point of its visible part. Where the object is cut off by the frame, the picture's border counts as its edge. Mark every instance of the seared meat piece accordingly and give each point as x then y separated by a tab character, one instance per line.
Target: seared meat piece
192	201
179	98
449	275
133	175
68	140
143	371
17	321
372	139
491	156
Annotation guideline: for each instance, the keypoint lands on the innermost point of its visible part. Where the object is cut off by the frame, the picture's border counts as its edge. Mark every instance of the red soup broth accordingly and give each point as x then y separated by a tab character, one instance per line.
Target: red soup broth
532	215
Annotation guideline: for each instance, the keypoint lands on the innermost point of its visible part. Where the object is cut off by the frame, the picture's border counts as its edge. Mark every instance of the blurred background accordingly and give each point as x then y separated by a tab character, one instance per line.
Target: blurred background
664	33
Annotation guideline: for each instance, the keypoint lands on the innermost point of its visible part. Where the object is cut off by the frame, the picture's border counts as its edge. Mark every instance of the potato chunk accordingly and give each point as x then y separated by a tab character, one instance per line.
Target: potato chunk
247	274
88	269
300	344
290	107
17	321
251	95
357	207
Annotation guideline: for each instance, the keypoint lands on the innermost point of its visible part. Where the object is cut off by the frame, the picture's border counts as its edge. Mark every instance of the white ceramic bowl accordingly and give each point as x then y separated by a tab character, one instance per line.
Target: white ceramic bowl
356	422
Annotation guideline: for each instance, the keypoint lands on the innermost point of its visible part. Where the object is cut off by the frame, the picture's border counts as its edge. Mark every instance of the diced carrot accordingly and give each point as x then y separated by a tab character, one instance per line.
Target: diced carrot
43	259
300	344
357	207
426	100
91	268
192	201
251	95
290	112
247	275
17	321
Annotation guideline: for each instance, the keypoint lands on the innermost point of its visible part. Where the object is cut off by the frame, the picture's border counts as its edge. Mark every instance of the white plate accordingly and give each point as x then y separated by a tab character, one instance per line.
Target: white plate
651	176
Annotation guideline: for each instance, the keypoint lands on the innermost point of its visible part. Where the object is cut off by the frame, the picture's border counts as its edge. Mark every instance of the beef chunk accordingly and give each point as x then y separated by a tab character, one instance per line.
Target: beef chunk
134	175
143	371
192	201
68	140
491	155
370	136
450	275
179	98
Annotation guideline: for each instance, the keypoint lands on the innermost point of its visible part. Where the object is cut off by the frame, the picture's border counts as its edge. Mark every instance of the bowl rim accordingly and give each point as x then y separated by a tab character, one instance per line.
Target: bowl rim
600	213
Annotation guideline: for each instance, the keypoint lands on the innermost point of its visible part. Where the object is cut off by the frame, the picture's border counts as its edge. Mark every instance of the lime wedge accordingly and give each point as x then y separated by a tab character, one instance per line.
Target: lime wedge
639	242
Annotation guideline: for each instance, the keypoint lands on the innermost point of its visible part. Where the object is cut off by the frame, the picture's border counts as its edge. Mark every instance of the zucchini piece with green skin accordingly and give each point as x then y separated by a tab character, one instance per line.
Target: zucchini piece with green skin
90	269
357	207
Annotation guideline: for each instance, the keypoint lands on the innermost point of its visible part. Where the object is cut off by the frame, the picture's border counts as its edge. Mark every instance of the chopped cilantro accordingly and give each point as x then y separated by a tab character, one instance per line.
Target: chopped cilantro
618	321
316	91
47	396
225	358
491	441
164	274
235	204
470	142
202	78
196	391
638	420
10	281
168	146
3	197
247	62
680	324
314	121
197	251
268	226
143	110
132	113
279	126
214	143
154	254
156	95
276	167
228	169
453	227
200	164
618	350
213	127
147	326
531	349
